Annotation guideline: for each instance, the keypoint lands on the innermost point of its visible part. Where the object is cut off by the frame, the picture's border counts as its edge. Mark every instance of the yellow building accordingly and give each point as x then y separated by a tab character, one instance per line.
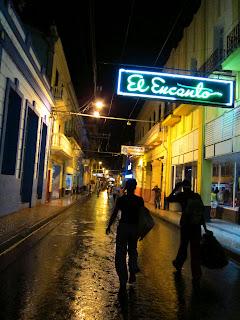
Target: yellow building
150	169
66	171
202	141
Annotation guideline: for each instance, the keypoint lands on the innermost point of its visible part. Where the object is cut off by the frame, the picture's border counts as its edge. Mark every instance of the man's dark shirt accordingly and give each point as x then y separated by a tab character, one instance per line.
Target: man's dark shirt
129	205
182	198
157	192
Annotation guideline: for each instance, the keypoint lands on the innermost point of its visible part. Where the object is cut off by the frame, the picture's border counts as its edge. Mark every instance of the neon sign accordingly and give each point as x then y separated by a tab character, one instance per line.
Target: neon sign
175	87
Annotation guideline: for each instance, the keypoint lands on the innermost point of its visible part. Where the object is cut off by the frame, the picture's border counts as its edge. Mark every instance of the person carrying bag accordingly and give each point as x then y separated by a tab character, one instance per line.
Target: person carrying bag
192	219
127	234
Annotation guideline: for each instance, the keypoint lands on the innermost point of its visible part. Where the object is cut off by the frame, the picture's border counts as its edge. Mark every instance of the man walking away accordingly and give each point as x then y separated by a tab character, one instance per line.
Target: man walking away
190	232
127	236
157	196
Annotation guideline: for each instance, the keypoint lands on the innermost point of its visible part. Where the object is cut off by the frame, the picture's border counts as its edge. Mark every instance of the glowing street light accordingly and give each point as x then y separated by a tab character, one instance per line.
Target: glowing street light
99	104
96	114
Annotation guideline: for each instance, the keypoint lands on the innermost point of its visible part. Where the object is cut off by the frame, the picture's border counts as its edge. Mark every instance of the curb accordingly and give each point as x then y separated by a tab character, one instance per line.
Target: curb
26	232
172	223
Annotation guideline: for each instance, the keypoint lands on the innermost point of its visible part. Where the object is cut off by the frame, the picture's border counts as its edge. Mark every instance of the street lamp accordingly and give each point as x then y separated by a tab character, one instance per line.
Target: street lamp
96	114
99	104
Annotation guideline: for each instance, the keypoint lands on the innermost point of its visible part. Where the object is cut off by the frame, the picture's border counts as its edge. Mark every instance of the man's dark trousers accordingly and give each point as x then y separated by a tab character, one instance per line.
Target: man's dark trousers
192	234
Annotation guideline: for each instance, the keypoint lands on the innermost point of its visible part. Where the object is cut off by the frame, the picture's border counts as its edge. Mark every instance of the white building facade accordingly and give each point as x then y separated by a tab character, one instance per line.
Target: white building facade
26	102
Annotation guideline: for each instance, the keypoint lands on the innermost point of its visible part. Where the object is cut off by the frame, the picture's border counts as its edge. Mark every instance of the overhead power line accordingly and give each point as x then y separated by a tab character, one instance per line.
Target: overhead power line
109	152
99	117
170	32
93	45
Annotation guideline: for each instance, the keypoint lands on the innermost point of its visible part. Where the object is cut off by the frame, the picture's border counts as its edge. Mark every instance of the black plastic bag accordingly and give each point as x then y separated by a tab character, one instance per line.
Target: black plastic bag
213	256
145	222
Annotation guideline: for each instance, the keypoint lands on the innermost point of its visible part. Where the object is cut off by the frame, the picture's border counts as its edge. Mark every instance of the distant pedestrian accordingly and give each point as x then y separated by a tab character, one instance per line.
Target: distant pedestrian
225	195
108	191
98	190
127	236
214	203
157	195
114	193
220	196
189	232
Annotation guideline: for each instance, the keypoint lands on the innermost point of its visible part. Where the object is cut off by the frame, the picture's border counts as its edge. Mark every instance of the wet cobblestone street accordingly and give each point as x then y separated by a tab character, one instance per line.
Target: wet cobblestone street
70	275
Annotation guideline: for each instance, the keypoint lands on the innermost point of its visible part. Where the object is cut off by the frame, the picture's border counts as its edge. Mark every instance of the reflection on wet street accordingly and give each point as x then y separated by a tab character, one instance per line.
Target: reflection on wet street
70	275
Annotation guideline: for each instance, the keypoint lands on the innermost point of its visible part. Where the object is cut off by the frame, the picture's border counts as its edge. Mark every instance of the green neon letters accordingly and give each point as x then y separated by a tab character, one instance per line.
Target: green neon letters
136	82
136	85
175	87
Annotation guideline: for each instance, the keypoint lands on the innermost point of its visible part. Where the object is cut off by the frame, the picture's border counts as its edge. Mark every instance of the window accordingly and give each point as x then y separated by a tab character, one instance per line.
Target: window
11	133
56	78
193	64
154	117
223	183
150	123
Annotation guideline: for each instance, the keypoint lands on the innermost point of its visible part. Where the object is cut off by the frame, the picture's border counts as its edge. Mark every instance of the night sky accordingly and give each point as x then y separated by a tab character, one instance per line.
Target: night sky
130	32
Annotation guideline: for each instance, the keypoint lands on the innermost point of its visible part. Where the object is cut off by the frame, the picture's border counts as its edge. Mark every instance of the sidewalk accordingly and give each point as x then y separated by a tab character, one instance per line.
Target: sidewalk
227	233
16	226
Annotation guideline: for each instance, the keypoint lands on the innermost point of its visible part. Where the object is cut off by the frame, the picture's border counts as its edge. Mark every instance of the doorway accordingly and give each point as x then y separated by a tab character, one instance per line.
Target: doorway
56	182
29	157
41	162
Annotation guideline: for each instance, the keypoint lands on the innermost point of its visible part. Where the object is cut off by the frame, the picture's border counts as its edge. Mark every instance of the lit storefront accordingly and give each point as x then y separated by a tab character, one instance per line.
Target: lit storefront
184	159
222	147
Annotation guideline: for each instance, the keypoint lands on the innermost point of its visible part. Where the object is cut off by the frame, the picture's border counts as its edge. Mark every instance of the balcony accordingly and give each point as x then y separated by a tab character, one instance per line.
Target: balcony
153	137
213	63
73	134
222	136
61	146
232	61
171	120
59	94
183	109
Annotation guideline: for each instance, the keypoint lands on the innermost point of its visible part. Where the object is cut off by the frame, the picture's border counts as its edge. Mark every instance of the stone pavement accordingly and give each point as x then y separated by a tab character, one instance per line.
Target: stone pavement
16	226
227	233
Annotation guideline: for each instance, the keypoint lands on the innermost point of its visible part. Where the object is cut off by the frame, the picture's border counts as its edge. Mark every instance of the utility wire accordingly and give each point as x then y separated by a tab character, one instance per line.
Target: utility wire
121	58
161	50
129	21
123	49
98	117
92	29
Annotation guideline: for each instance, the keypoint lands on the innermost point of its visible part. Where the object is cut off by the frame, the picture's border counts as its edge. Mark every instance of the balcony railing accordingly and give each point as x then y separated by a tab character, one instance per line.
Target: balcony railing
71	133
233	39
61	143
213	63
223	128
155	134
58	93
